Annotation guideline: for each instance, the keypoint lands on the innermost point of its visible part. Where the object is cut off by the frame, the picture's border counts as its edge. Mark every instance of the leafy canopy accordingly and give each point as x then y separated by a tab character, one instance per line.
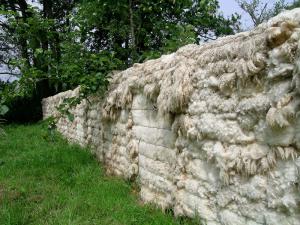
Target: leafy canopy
66	43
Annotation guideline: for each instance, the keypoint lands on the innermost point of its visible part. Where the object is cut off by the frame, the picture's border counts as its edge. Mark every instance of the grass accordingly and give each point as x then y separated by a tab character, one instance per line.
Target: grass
53	182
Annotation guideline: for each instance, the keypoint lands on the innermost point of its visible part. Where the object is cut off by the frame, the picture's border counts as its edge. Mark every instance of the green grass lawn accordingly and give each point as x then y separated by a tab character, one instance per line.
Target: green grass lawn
53	182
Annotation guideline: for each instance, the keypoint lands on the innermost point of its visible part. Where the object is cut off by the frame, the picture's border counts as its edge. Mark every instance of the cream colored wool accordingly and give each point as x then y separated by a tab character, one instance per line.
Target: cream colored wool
212	130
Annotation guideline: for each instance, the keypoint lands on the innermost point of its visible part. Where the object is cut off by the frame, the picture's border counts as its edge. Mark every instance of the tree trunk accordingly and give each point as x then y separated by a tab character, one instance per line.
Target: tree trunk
132	33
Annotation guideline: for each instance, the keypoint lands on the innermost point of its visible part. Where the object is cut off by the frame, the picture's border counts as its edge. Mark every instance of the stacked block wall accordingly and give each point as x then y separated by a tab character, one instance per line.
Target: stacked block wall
210	131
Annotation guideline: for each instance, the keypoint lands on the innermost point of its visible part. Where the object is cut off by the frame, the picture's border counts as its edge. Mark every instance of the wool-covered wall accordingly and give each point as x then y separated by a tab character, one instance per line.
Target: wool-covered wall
212	130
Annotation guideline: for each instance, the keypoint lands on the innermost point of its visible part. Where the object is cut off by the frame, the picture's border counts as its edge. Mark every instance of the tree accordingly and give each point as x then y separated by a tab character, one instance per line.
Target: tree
66	43
295	4
139	29
260	11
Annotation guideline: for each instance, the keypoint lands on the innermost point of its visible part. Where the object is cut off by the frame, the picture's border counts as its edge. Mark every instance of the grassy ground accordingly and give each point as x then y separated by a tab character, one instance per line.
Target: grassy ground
46	182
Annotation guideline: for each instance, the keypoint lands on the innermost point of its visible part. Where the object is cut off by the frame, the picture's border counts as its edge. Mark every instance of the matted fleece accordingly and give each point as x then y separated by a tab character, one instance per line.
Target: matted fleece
211	131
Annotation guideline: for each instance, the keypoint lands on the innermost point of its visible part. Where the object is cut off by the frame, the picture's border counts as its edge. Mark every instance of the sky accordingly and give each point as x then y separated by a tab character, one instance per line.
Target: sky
229	7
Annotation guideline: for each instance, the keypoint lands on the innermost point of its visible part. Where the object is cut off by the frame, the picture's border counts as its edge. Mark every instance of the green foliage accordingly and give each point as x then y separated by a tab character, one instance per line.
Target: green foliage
68	103
79	66
3	109
71	43
158	26
294	4
261	11
46	182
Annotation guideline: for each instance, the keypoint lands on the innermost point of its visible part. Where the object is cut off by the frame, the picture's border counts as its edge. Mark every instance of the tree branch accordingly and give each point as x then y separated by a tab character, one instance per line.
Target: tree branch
4	25
9	73
262	12
207	37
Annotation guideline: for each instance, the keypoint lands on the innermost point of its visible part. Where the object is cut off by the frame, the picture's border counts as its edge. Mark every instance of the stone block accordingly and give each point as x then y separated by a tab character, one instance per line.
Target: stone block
157	152
155	182
160	137
150	118
156	167
141	102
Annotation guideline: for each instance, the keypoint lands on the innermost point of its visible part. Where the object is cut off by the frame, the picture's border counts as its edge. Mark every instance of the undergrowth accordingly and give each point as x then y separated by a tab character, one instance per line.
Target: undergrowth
48	181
